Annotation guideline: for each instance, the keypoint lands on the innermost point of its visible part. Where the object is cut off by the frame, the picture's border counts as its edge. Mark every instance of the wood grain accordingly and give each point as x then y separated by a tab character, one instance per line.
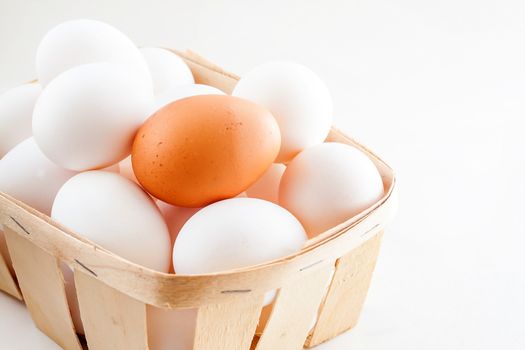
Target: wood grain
228	326
111	319
7	281
172	291
294	311
42	286
347	292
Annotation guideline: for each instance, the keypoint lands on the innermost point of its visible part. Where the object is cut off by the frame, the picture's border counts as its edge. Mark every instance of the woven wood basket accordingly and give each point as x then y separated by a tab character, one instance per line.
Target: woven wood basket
113	292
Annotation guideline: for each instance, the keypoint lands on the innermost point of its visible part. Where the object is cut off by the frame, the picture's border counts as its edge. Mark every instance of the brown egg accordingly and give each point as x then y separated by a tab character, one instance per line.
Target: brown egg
202	149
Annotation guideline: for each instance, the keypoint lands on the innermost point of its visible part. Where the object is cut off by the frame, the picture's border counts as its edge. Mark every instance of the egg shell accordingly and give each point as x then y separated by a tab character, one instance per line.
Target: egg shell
328	184
27	175
182	91
236	233
16	111
126	169
267	187
166	68
202	149
87	117
298	99
116	214
82	41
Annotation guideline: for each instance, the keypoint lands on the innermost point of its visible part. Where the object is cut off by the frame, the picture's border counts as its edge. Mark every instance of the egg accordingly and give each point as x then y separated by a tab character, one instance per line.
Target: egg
167	69
267	187
89	203
112	168
298	99
126	169
328	184
27	175
86	118
234	233
202	149
182	91
77	42
117	214
16	111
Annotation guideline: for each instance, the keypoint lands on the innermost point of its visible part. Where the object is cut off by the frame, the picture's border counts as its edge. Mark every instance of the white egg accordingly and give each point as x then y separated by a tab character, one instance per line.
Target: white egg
87	117
179	92
267	187
16	111
112	168
328	184
175	217
167	69
235	233
83	41
27	175
297	98
126	169
117	214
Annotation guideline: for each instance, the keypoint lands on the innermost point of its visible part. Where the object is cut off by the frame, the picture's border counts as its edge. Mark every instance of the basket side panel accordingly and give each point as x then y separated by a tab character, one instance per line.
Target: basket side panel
111	319
7	282
347	292
42	285
295	311
228	326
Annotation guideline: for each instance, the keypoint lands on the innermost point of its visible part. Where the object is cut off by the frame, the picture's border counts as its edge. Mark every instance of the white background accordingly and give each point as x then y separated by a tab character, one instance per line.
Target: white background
434	87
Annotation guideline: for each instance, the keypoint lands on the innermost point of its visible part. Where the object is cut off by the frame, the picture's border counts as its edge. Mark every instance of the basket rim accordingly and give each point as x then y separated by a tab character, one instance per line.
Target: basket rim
183	291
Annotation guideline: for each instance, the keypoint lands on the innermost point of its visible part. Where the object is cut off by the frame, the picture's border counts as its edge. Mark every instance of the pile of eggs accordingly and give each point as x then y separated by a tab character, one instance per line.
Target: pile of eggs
122	146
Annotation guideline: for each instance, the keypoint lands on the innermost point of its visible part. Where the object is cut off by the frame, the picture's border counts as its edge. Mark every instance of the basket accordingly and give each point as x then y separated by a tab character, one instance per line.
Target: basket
113	292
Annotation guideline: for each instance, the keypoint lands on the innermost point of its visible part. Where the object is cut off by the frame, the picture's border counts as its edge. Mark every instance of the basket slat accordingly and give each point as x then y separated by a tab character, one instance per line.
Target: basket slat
228	326
111	319
208	73
294	311
42	285
7	282
347	292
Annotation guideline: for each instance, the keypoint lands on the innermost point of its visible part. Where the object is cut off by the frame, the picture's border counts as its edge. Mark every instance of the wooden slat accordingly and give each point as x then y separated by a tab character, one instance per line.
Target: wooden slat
7	281
295	311
42	286
347	292
111	319
207	73
228	326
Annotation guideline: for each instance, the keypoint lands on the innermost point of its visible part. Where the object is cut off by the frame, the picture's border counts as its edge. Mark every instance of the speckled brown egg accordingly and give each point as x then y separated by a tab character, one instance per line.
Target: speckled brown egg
202	149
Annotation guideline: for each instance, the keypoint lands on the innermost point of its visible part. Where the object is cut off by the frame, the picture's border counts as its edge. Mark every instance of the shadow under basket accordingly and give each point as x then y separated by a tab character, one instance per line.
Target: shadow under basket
328	279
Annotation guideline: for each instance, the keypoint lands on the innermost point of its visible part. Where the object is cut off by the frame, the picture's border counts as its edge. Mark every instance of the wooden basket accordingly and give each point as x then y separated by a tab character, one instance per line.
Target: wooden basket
113	292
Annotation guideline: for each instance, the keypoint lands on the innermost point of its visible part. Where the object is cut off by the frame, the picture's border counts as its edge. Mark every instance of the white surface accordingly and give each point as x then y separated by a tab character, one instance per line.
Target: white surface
436	88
